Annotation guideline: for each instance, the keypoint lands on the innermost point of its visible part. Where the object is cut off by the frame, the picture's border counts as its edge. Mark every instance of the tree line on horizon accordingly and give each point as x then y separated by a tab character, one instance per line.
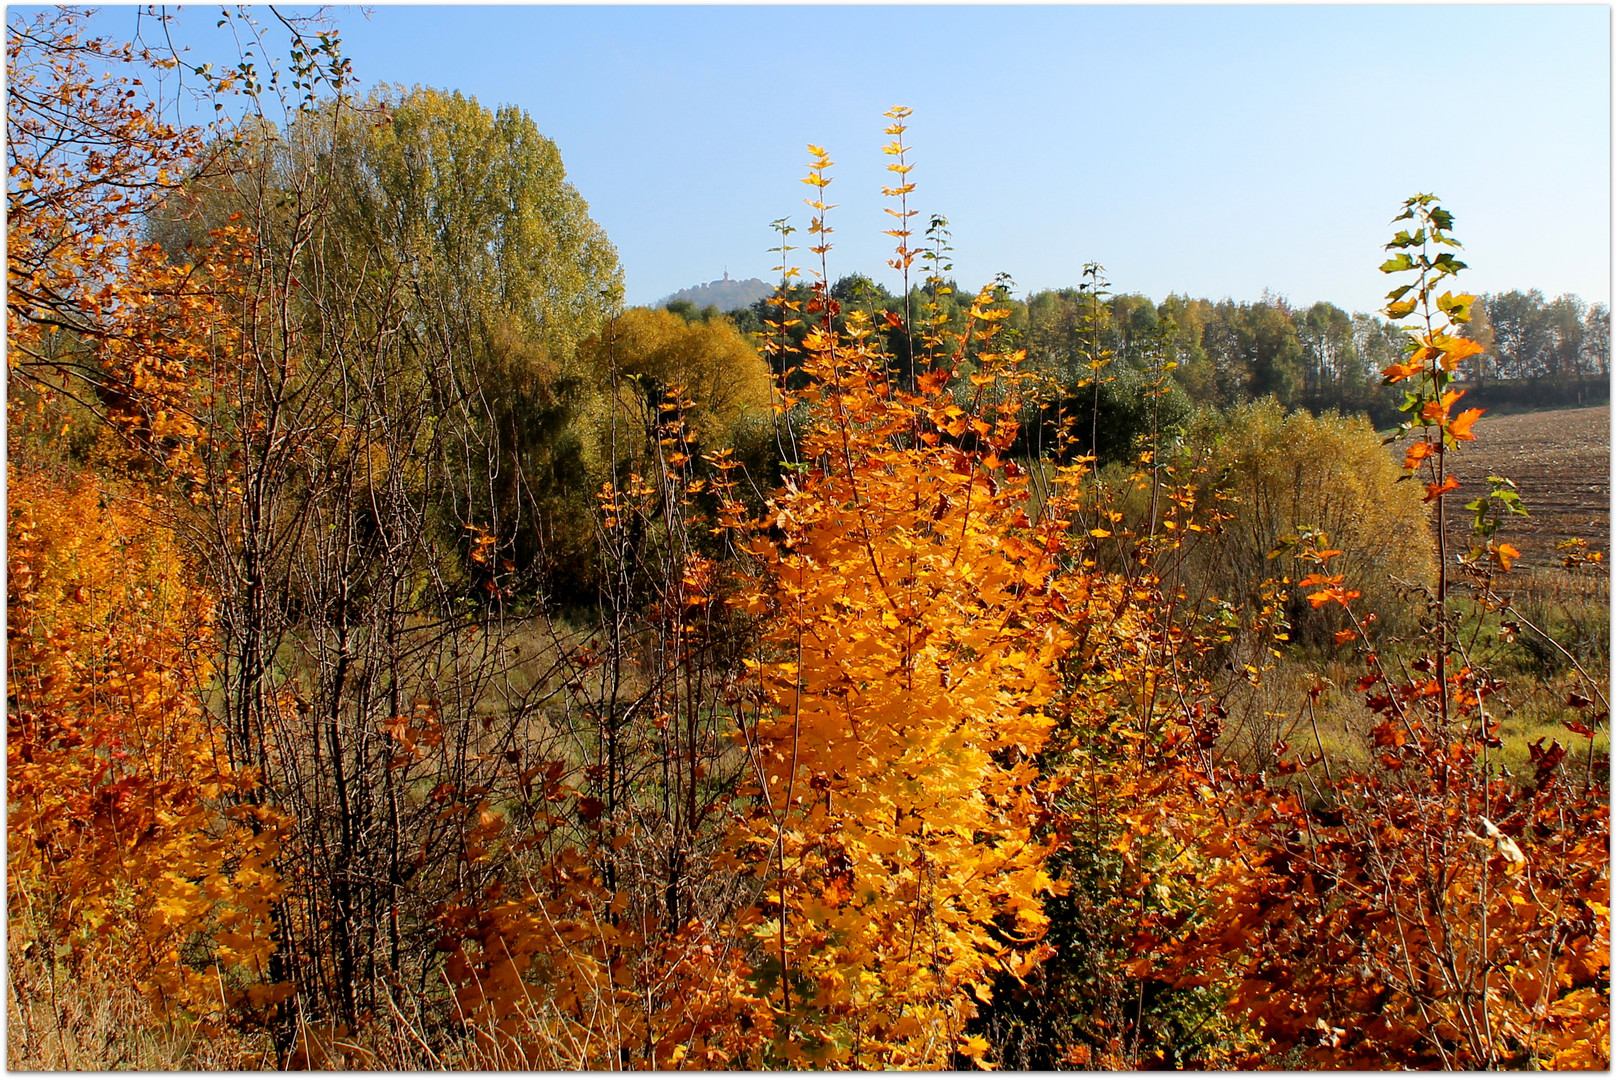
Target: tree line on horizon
1536	352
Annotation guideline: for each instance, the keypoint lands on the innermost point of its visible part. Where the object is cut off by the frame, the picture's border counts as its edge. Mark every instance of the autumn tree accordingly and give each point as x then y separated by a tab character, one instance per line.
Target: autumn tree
100	326
139	851
321	383
514	275
709	362
916	634
349	517
495	263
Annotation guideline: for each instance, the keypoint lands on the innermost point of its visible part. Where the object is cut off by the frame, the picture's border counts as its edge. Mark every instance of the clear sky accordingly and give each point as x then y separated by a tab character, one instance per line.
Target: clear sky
1217	151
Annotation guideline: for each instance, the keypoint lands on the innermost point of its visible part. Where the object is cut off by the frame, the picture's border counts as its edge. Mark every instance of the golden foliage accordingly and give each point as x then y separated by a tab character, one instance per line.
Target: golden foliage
1289	474
94	314
131	848
916	621
710	362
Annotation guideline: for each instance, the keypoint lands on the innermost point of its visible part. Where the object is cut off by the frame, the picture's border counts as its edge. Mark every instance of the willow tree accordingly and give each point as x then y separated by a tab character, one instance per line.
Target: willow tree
711	363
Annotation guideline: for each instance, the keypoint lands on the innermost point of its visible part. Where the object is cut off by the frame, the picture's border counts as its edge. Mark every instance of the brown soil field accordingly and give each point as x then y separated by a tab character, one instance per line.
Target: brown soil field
1560	460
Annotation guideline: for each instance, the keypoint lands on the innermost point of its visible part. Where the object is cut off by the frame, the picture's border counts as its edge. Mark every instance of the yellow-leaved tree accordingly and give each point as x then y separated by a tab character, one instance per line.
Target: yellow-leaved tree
726	379
917	620
918	610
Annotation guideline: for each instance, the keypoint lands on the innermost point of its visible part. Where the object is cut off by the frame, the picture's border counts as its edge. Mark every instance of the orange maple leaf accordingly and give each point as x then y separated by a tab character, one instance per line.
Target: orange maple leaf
1417	452
1435	490
1438	411
1457	349
1460	426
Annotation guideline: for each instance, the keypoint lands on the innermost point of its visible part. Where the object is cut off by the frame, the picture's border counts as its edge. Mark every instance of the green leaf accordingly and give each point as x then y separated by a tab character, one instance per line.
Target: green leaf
1442	219
1398	293
1398	264
1457	308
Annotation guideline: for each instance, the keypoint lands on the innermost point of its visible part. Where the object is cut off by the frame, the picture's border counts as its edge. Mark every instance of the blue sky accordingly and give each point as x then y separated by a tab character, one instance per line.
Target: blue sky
1217	151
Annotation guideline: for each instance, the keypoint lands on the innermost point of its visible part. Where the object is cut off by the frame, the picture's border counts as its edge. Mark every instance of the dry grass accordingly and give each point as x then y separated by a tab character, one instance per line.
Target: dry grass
57	1022
1338	724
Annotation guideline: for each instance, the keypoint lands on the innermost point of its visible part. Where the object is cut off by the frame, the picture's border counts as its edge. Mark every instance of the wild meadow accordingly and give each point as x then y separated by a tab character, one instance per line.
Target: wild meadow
420	659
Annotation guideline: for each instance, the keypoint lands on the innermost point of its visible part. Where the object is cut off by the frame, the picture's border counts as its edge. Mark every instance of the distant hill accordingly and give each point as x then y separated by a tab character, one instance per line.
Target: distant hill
726	294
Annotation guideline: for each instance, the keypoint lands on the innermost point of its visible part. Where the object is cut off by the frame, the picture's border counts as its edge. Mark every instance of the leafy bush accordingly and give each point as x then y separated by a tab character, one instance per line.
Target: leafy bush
1286	473
649	351
124	859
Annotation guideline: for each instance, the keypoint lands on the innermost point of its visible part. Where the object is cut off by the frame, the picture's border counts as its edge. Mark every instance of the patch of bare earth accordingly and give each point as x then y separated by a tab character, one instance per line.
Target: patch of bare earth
1560	460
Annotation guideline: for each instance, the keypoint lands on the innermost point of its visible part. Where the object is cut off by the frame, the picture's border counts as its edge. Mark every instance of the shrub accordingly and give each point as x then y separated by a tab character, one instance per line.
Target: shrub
1285	473
127	856
709	361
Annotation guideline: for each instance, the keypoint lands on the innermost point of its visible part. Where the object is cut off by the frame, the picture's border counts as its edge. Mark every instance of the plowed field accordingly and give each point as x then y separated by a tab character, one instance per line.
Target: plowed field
1561	462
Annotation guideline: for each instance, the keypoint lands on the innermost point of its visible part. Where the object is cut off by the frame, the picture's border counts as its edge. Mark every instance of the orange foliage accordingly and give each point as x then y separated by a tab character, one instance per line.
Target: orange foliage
88	157
1392	927
93	313
1432	911
130	852
916	620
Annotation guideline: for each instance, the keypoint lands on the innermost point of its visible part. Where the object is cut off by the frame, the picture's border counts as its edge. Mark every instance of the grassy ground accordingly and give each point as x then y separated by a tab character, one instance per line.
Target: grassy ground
61	1022
1552	645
